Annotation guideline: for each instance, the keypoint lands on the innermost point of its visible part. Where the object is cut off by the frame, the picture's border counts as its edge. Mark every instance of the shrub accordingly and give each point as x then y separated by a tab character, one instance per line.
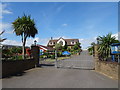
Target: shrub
41	56
49	56
19	57
53	57
59	54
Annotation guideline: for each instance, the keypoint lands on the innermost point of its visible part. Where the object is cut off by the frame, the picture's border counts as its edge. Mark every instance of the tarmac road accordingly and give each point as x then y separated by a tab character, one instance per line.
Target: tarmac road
51	77
82	61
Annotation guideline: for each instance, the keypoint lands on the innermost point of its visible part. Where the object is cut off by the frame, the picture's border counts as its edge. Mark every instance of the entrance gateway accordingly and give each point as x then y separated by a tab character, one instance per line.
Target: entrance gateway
83	61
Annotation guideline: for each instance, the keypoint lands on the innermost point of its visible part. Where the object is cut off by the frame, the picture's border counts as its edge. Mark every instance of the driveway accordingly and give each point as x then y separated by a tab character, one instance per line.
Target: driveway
82	61
51	77
59	78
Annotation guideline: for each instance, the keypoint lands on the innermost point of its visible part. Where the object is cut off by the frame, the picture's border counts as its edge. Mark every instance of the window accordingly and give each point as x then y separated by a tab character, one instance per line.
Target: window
72	42
50	43
54	43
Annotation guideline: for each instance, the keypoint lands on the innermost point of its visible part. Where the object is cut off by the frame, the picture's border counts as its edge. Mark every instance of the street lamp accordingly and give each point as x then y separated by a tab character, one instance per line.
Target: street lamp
97	40
35	42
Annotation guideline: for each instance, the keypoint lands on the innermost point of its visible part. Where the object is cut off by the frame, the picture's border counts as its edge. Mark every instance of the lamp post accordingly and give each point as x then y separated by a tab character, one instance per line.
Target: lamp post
97	40
35	42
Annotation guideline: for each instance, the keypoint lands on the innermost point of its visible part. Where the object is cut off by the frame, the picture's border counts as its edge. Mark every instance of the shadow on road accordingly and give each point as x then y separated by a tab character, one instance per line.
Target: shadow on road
16	74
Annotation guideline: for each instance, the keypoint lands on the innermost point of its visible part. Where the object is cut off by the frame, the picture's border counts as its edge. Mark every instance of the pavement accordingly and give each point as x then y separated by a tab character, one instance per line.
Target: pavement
51	77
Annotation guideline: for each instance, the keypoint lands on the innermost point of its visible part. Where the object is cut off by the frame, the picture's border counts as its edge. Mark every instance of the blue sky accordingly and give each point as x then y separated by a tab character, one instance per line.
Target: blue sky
84	20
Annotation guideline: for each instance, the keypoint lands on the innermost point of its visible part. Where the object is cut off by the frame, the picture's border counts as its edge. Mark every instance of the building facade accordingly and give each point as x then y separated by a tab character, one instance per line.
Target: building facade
69	42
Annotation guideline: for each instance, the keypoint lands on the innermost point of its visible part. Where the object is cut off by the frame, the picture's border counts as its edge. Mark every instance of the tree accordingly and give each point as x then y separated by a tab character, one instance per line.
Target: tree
91	48
6	53
16	50
24	27
77	46
104	45
65	47
69	49
58	46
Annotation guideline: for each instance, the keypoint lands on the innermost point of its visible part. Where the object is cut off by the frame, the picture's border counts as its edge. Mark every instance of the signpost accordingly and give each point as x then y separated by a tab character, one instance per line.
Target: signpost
115	51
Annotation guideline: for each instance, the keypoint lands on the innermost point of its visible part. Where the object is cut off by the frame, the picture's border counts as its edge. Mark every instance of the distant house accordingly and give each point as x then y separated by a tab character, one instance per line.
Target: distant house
69	42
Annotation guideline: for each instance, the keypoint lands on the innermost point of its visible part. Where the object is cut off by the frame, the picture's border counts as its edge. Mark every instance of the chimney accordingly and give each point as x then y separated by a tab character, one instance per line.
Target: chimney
51	38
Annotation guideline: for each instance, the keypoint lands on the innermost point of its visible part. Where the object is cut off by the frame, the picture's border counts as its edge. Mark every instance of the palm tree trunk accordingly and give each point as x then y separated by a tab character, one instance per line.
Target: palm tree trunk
23	50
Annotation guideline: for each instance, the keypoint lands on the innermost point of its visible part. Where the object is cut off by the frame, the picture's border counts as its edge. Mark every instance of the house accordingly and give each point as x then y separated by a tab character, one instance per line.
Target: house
69	42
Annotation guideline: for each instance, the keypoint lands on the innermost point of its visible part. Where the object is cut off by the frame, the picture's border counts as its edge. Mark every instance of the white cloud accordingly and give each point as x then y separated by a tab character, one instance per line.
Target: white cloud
12	42
7	27
116	35
85	43
4	10
64	24
60	8
29	41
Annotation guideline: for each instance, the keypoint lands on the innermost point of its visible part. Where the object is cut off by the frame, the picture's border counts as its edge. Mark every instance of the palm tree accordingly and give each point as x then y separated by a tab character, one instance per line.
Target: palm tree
24	27
104	45
91	48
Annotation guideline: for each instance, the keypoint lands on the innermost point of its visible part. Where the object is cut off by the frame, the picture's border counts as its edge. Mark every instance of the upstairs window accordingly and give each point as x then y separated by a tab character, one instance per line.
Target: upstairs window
50	43
72	42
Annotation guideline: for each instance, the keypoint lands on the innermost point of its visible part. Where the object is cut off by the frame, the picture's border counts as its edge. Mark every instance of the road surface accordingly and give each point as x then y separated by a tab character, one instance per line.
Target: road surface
82	61
51	77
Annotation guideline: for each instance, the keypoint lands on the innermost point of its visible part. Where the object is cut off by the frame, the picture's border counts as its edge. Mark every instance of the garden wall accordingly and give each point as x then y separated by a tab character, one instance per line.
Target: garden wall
110	69
11	67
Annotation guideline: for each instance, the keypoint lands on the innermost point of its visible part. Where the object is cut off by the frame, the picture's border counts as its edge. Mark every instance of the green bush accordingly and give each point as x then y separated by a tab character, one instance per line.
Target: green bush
59	54
53	57
19	57
41	56
49	56
16	57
